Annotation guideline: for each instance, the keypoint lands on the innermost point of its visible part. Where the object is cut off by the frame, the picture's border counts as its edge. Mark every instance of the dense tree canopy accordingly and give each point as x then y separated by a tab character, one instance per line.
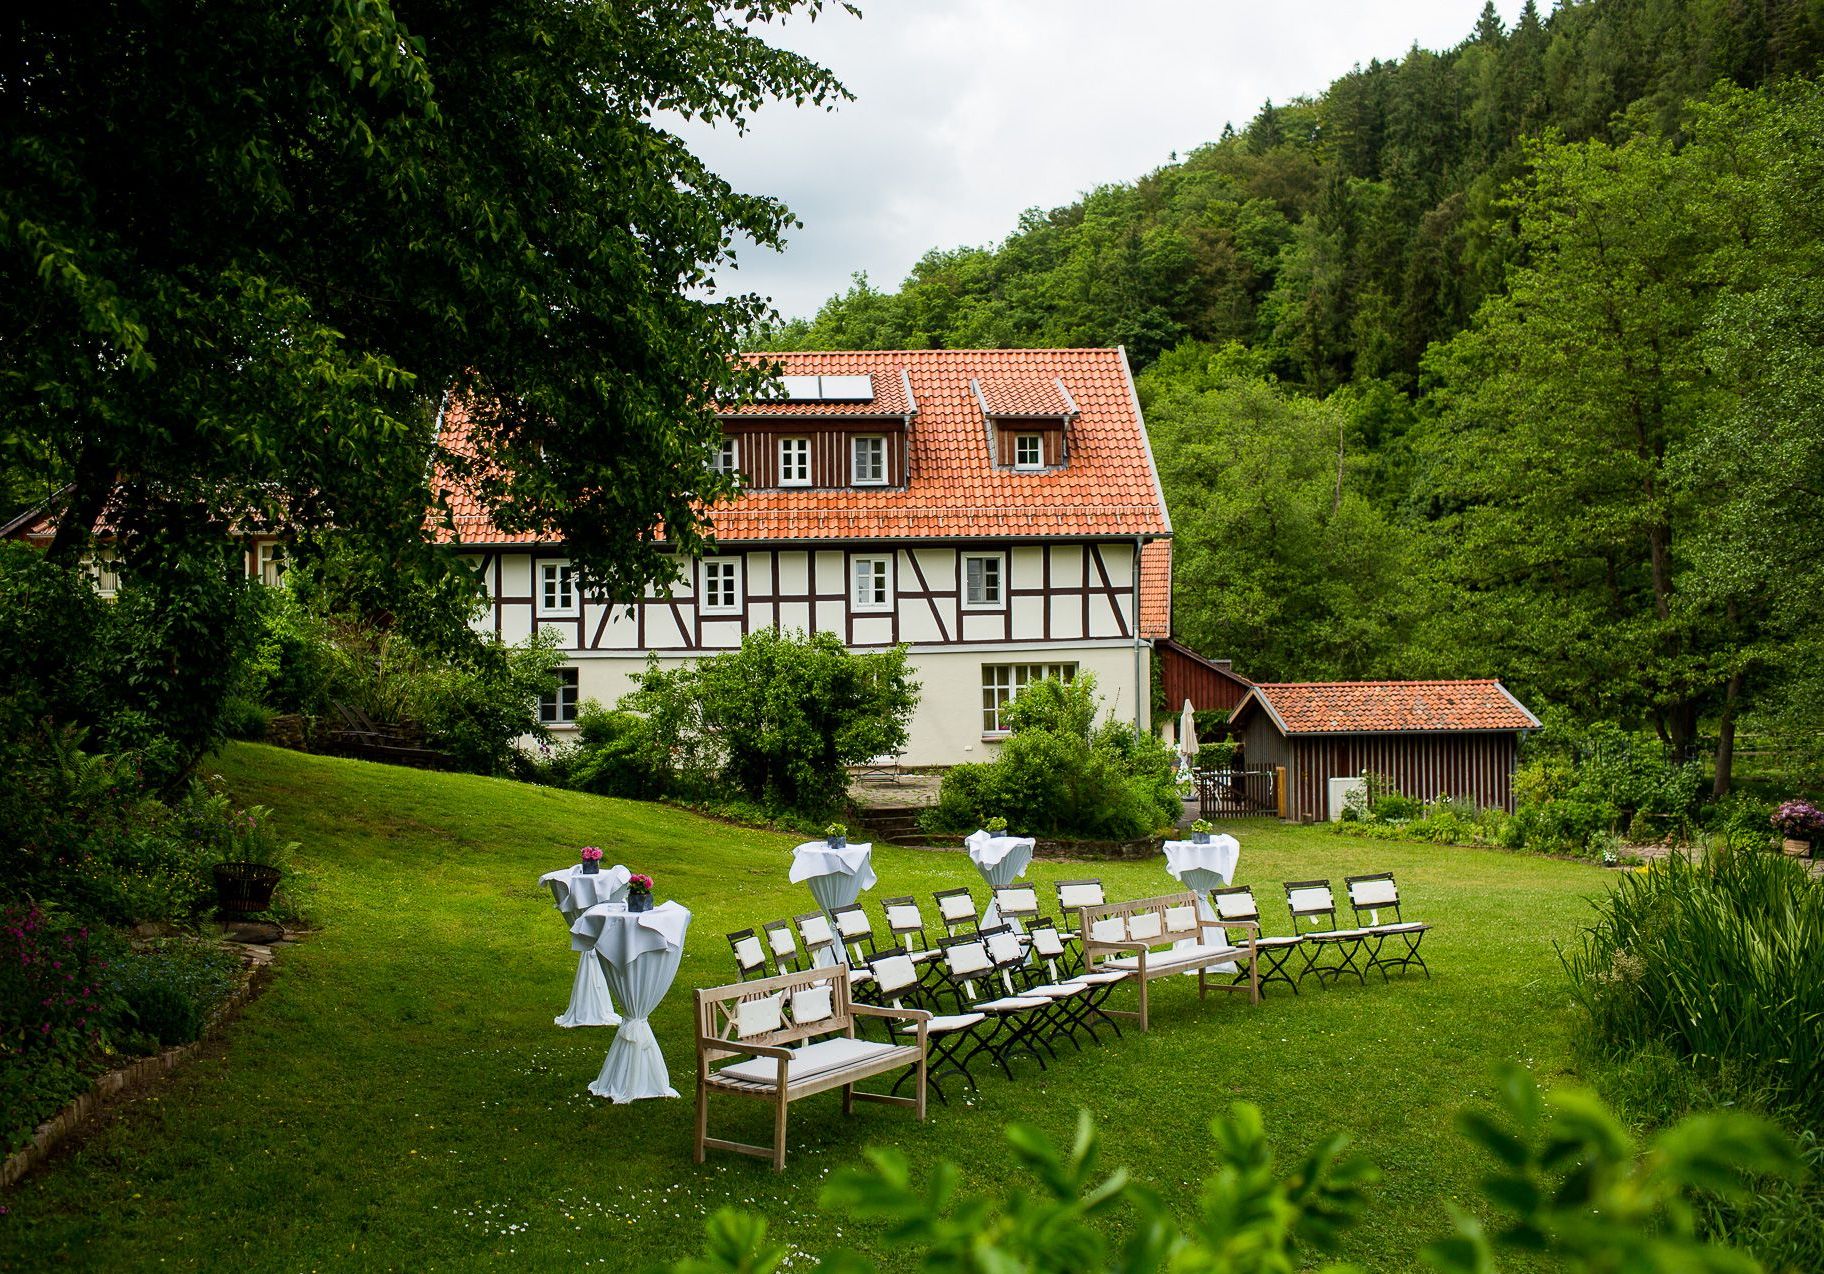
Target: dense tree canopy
246	249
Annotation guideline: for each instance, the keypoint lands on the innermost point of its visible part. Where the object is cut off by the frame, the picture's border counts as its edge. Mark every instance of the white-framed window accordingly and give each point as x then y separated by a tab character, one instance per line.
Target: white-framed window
794	462
721	585
984	580
868	462
105	568
1028	451
871	583
1001	682
728	457
269	560
556	589
559	706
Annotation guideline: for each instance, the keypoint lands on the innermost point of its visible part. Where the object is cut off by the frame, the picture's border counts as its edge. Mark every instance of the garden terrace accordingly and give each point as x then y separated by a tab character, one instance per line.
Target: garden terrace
399	1097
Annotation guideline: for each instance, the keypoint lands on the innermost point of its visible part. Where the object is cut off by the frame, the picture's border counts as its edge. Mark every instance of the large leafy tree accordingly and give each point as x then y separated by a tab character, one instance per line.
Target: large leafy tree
246	249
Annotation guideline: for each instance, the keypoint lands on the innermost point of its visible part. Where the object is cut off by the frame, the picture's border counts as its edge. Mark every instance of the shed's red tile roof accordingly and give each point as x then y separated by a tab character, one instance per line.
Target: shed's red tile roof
954	491
1382	707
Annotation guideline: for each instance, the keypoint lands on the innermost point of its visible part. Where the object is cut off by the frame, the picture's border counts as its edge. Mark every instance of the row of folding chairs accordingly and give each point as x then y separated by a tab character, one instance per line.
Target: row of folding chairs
1319	945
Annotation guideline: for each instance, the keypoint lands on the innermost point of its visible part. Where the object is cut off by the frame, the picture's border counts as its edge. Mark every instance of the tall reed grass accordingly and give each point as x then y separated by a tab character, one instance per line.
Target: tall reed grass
1721	963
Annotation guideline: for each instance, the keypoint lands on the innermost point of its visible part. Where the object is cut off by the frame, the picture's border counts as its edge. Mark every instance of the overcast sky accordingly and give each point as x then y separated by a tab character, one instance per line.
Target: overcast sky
967	112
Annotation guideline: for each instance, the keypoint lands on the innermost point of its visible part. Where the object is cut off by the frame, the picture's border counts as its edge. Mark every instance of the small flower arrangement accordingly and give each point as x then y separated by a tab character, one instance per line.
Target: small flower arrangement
639	892
837	834
996	825
1201	829
592	860
1799	820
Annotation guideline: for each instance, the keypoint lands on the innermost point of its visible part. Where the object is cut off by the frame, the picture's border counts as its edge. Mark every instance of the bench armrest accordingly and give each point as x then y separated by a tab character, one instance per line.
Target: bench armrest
711	1043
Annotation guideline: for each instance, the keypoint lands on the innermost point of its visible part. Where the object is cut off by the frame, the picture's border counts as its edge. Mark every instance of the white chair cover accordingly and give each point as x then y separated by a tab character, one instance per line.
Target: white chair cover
836	878
574	893
1203	868
639	954
1001	860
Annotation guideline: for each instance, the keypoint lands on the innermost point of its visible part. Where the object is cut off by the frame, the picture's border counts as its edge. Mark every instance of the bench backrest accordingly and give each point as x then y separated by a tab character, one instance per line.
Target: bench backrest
779	1010
1158	921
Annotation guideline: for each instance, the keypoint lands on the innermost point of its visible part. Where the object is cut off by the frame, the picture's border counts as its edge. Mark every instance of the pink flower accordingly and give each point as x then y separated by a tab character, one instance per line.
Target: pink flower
591	854
639	884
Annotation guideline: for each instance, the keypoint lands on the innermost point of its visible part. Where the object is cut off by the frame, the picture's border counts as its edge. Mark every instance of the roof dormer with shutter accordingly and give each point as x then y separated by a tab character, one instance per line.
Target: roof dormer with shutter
823	432
1026	422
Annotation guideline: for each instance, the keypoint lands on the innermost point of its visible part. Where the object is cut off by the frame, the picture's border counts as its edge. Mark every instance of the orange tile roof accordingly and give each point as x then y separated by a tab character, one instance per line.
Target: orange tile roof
1108	489
1383	707
1156	589
1008	397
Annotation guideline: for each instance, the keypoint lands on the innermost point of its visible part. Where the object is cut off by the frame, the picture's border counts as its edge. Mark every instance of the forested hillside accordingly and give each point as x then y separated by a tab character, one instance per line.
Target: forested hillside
1496	360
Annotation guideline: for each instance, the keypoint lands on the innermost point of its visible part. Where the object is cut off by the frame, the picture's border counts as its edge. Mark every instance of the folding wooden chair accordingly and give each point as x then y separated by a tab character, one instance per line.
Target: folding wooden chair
783	944
1312	903
855	932
750	955
1018	977
951	1038
1236	902
956	911
907	926
819	938
1073	896
1017	902
1052	954
1374	894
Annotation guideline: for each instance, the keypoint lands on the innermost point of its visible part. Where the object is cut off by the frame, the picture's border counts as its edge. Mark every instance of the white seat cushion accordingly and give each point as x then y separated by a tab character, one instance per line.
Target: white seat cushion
946	1025
748	954
1101	978
1012	1003
1058	990
858	976
919	957
1407	926
1277	942
812	1059
1323	935
1178	958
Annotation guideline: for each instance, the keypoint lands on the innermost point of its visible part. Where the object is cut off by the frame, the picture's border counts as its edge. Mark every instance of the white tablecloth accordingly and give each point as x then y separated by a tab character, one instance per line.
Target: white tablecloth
575	892
1203	868
836	878
639	953
1001	860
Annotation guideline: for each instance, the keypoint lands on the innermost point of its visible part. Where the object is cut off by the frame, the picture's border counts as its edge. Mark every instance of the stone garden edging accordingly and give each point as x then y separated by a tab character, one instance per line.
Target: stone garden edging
129	1079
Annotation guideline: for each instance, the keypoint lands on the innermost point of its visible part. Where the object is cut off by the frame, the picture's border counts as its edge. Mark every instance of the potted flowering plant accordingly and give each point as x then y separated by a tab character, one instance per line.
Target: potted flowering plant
1801	827
837	835
1200	831
592	860
639	893
996	826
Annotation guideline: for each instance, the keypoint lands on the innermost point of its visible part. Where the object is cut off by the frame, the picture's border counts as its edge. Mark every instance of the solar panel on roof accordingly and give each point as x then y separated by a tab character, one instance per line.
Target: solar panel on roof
799	388
847	389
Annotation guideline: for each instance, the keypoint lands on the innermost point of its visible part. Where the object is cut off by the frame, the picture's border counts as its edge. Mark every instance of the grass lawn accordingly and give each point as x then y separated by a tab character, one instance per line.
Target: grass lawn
400	1098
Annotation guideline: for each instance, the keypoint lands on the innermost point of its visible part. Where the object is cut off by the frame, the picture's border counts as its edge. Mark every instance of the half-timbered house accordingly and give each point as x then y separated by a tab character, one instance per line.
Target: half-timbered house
995	510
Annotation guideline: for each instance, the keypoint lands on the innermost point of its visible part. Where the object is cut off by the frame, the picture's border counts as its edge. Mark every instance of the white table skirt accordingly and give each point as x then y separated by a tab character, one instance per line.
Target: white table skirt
575	891
1001	860
1203	868
836	878
639	954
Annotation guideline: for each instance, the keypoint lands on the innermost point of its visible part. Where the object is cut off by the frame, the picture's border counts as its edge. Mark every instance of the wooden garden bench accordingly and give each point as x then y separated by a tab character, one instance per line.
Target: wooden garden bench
756	1020
1137	938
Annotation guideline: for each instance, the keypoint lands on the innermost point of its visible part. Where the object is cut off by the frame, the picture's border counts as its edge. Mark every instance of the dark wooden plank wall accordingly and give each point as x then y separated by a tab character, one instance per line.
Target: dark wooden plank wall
1187	679
830	453
1051	441
1474	767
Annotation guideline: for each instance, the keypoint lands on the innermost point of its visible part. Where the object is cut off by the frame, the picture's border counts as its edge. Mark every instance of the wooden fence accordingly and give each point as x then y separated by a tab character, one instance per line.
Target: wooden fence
1237	793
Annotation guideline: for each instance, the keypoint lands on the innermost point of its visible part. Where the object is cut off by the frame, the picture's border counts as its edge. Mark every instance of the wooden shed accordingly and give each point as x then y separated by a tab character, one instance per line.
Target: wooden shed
1207	683
1431	738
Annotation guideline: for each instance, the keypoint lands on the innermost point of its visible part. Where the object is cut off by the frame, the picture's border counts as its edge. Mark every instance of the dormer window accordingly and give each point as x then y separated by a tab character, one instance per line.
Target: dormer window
868	466
728	457
1028	451
794	462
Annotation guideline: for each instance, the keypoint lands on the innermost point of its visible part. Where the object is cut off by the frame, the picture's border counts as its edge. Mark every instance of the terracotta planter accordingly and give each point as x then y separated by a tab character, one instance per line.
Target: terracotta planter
1796	848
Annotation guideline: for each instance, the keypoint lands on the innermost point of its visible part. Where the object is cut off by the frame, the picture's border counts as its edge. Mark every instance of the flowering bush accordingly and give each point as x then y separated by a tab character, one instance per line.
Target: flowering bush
639	884
591	854
1801	820
52	1010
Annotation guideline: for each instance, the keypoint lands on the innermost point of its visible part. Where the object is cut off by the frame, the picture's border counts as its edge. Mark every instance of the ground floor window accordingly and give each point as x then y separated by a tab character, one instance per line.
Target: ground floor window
559	707
1001	682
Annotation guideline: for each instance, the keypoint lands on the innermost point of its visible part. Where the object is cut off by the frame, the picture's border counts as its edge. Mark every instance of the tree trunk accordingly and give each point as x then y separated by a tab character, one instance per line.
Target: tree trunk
87	495
1725	739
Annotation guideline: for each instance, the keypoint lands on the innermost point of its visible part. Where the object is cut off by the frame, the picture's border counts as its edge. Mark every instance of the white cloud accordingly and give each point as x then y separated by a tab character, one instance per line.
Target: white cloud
969	111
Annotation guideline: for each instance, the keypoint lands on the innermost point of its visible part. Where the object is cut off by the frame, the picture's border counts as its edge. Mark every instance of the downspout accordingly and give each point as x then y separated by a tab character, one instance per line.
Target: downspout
1143	686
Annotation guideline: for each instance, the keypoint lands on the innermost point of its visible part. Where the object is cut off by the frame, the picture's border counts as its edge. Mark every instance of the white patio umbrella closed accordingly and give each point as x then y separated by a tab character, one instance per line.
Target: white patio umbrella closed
1187	730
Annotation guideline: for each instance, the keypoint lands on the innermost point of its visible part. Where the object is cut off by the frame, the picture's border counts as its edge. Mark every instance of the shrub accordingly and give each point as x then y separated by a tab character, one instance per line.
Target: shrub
778	720
52	1010
476	707
1060	774
1723	964
167	990
614	755
1394	807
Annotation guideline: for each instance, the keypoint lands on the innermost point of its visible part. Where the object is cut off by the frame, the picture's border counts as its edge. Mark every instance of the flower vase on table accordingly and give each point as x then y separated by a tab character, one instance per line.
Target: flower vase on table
836	836
1200	832
639	893
592	860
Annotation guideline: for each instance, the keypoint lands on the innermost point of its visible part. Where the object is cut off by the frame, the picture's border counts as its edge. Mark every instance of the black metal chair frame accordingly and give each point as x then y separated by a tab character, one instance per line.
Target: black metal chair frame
1019	975
1380	933
1090	1002
1274	955
1018	1028
1316	941
941	1047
